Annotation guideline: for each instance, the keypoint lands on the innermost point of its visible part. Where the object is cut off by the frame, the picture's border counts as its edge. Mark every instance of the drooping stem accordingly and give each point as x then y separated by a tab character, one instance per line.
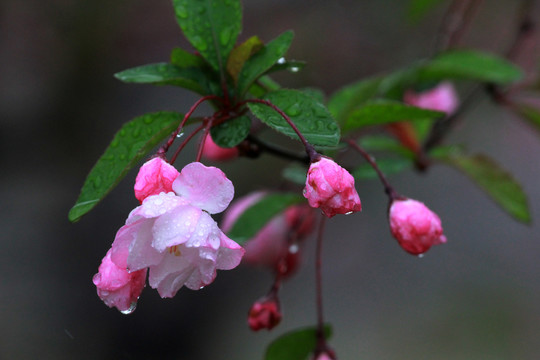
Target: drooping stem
207	127
321	339
310	150
171	139
177	152
271	149
388	189
455	23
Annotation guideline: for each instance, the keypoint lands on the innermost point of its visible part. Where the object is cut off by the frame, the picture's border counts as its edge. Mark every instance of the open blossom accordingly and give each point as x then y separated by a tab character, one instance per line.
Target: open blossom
276	244
173	235
155	176
331	188
117	287
442	98
213	151
415	227
264	313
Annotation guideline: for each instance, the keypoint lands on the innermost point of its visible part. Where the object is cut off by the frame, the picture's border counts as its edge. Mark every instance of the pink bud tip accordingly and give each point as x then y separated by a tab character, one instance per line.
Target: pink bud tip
212	151
442	97
264	314
154	177
331	188
415	227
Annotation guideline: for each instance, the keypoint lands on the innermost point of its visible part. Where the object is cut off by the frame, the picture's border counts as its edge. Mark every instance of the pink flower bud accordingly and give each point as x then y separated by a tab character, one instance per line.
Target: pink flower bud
214	152
324	356
415	227
154	177
442	98
331	188
264	314
117	287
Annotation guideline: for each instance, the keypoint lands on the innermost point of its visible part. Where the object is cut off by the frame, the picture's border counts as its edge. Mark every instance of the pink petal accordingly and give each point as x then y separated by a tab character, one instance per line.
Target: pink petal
229	254
156	205
175	227
205	187
154	177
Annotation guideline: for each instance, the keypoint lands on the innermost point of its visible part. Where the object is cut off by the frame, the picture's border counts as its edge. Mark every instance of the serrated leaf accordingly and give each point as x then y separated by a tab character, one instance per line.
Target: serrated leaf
185	59
211	26
130	144
231	132
263	60
166	74
295	345
240	54
384	112
529	113
260	213
496	182
470	65
311	117
388	166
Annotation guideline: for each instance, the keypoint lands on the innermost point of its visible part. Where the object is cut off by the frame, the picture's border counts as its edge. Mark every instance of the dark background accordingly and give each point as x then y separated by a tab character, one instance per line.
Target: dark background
477	297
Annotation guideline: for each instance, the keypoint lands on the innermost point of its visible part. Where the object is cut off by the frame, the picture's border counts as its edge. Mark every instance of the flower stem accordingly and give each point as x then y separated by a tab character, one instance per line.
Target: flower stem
321	340
207	127
177	152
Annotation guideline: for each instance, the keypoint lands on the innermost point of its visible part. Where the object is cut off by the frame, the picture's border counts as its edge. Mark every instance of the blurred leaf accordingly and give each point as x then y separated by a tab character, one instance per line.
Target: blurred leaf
185	59
264	85
310	117
388	166
383	112
496	182
315	93
529	113
165	74
259	214
231	132
263	60
295	345
419	8
373	143
211	26
240	54
342	102
134	140
295	173
470	65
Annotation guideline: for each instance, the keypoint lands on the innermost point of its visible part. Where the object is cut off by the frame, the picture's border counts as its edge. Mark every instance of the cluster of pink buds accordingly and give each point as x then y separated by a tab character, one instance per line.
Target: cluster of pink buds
171	234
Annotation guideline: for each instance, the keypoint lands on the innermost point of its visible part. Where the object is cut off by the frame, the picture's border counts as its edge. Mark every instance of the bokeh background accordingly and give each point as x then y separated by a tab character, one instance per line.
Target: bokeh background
477	297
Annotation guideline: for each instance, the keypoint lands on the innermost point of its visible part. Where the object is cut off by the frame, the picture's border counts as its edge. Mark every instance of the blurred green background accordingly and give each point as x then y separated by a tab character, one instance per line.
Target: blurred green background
477	297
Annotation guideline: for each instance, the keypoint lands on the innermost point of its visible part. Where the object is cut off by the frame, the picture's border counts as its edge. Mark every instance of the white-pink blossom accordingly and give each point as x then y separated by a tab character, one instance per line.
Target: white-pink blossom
414	226
173	235
155	176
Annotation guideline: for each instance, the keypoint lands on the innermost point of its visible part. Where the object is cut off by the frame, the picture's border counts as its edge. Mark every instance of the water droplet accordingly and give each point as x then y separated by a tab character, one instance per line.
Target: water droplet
148	120
349	213
181	12
293	249
199	43
97	181
122	132
136	132
180	134
114	143
122	156
294	69
281	60
158	201
225	36
129	310
202	287
293	110
420	256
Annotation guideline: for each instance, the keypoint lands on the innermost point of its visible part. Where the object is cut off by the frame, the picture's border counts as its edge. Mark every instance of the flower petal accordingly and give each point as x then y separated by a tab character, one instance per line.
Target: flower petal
205	187
175	227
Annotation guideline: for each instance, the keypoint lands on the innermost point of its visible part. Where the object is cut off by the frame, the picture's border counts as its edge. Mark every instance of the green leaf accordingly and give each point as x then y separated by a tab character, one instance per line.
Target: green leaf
470	65
231	132
241	53
211	26
529	113
129	145
315	93
346	99
295	345
387	165
383	112
166	74
418	8
496	182
260	213
310	117
185	59
373	143
263	60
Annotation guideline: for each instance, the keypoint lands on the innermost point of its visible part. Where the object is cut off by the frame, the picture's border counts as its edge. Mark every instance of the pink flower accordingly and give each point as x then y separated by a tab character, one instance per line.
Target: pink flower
324	356
276	244
155	176
442	98
415	227
174	235
331	188
264	314
117	287
212	151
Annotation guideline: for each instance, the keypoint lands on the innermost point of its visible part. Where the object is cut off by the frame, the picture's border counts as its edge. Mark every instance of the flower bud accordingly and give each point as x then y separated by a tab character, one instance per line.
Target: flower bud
214	152
155	176
415	227
331	188
265	313
442	98
117	287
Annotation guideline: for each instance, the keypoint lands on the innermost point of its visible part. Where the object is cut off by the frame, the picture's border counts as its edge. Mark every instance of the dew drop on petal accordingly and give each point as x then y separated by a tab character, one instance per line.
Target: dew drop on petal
420	256
349	213
129	310
293	249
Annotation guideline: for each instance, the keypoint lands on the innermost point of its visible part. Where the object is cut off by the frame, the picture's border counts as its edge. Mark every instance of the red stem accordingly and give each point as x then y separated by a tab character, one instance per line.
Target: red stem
173	159
207	127
321	340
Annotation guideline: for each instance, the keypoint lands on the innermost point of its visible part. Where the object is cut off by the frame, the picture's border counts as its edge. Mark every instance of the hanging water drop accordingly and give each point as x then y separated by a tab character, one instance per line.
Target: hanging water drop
180	134
129	310
281	60
294	69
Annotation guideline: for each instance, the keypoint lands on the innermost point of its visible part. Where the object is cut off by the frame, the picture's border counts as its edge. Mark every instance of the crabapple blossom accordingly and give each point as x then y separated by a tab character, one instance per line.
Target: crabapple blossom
264	313
173	235
415	227
155	176
331	188
213	151
442	98
276	244
118	287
